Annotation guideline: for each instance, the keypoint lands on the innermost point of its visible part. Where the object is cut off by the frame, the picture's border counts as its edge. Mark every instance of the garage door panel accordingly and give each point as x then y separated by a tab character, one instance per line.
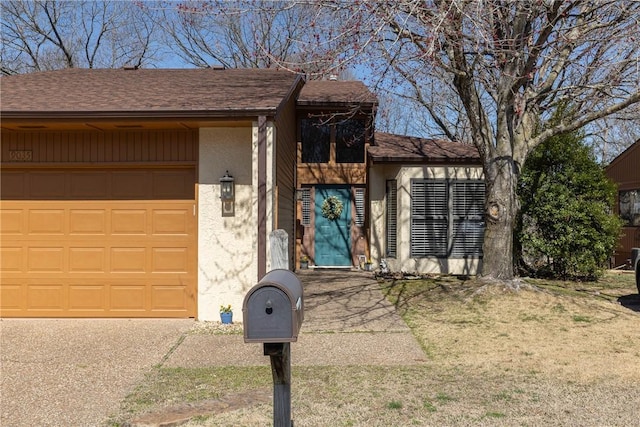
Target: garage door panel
171	221
128	260
128	298
171	298
11	222
46	221
129	221
87	221
46	297
87	259
45	259
11	259
88	298
170	260
81	257
12	297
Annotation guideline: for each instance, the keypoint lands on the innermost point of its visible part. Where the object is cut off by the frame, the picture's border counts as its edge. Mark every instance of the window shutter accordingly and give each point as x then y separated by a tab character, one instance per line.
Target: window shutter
392	219
306	207
468	218
359	217
429	218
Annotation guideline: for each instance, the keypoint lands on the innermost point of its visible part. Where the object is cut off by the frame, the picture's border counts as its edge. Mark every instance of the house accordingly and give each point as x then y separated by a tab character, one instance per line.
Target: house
624	170
152	193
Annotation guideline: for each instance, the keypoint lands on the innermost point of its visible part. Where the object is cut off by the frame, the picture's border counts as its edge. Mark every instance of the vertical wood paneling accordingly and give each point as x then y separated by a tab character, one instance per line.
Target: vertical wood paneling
170	146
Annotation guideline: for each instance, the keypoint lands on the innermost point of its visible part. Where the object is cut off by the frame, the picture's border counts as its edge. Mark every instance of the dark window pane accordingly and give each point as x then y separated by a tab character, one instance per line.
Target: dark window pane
630	207
350	141
315	141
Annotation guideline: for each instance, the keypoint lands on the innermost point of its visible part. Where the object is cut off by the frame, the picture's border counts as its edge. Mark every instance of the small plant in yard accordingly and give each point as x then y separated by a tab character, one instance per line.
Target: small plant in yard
225	308
429	406
580	318
495	415
394	404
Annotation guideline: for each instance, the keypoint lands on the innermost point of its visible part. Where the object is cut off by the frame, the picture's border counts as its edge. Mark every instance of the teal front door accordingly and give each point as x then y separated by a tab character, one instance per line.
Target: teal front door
332	234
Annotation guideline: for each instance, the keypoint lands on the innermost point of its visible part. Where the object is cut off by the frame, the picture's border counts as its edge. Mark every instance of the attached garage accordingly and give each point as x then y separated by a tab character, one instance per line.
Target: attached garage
110	198
89	230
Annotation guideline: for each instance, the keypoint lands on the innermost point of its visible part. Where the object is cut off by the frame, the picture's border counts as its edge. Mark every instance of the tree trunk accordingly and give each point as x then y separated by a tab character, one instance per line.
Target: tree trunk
502	208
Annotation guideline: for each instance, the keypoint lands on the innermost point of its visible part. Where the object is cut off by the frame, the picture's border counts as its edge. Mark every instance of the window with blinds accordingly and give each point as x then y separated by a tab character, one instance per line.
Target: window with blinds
392	219
359	214
447	218
306	207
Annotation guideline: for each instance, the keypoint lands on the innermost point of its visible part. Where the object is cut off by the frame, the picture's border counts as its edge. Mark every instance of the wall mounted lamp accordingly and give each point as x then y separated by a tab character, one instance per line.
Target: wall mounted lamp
227	190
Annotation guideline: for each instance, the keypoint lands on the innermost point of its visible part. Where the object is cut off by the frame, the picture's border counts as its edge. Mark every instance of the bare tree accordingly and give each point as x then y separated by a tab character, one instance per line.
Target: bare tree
40	35
490	72
240	33
612	135
505	66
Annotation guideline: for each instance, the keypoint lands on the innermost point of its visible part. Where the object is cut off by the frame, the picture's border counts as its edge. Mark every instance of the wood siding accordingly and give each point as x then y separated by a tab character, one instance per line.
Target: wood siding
285	173
45	148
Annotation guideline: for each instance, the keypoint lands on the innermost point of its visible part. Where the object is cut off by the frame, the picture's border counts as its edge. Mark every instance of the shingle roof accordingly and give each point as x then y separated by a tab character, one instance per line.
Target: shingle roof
145	91
340	92
398	148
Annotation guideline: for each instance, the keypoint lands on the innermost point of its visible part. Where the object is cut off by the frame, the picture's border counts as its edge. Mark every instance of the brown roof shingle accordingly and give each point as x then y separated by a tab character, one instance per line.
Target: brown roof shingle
208	91
340	92
398	148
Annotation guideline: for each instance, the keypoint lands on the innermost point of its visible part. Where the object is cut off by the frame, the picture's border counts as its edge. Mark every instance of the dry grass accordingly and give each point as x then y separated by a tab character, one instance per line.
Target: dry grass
557	354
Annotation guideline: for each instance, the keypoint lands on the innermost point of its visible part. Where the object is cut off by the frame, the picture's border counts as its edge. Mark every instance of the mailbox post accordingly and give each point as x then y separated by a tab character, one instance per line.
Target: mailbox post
273	312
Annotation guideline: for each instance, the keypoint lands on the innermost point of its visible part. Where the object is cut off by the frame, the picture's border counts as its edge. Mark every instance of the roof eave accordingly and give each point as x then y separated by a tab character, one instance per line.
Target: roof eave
350	104
430	160
128	115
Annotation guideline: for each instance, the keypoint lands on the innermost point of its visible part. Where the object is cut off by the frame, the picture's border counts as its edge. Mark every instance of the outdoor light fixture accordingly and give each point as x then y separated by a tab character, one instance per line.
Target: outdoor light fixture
227	187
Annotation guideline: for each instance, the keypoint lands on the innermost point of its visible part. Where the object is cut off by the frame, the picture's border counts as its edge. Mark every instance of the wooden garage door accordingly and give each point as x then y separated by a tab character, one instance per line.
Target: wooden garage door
98	243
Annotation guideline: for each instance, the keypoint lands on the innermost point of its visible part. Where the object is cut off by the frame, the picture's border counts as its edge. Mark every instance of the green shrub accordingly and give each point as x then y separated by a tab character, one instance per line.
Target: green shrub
566	228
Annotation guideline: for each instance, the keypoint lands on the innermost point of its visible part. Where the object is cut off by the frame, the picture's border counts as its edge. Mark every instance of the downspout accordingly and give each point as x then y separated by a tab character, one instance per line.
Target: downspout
262	196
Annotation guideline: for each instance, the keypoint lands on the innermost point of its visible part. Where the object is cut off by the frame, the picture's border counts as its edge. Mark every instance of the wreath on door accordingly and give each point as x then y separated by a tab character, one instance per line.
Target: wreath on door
332	208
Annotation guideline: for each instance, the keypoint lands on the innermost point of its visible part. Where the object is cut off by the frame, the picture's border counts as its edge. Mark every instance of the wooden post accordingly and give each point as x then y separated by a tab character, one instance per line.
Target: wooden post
280	355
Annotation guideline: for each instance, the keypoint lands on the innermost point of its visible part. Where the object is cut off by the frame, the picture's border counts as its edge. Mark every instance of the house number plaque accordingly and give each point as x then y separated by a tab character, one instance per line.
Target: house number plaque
20	155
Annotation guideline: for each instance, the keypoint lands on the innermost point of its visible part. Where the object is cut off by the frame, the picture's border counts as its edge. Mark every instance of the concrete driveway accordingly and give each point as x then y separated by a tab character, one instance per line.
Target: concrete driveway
75	372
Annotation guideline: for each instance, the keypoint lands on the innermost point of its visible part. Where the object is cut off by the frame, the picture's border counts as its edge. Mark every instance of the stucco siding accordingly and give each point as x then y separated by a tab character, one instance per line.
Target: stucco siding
227	265
403	174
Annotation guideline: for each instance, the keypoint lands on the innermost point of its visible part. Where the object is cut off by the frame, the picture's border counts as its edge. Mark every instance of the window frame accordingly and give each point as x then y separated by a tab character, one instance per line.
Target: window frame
330	144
